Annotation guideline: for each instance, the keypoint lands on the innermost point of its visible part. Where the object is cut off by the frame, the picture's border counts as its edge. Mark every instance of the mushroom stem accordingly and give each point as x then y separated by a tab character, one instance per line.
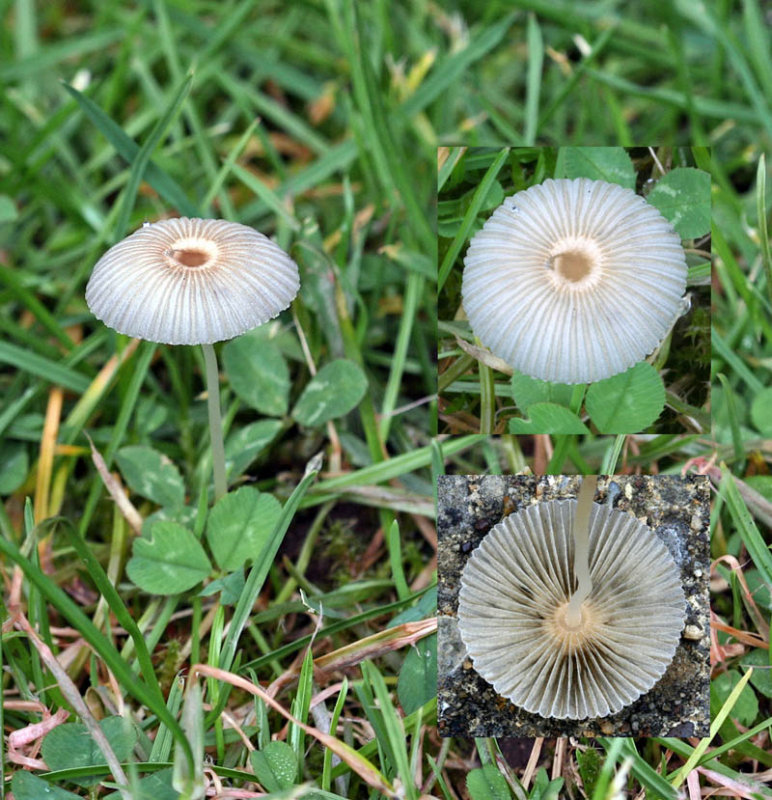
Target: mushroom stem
215	421
573	616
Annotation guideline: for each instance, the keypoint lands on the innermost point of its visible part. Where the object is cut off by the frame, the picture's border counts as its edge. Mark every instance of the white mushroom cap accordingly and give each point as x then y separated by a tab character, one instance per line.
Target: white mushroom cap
191	281
511	614
573	281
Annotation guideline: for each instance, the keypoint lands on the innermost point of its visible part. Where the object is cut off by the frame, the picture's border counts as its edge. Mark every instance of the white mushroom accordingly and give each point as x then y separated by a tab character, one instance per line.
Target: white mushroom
193	281
573	281
524	637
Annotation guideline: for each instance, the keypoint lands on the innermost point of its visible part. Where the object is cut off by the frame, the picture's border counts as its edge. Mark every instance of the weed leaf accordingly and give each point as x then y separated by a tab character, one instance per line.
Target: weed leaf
761	411
275	766
746	708
487	783
548	418
683	197
27	786
610	164
762	677
417	682
628	402
527	391
151	475
245	444
258	374
172	560
239	526
70	745
15	461
229	586
331	393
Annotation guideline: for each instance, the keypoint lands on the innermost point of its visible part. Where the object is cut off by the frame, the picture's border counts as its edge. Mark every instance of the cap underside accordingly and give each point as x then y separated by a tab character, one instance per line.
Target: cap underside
514	589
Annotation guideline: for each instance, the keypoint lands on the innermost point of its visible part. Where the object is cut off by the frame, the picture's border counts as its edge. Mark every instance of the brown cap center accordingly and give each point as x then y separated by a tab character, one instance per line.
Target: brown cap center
190	257
192	252
572	265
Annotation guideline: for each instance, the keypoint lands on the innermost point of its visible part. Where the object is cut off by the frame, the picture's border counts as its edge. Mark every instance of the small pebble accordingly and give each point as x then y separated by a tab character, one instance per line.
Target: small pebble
613	491
692	632
607	728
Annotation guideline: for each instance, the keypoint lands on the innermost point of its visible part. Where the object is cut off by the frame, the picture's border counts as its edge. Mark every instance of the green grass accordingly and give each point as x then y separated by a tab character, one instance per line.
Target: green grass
318	125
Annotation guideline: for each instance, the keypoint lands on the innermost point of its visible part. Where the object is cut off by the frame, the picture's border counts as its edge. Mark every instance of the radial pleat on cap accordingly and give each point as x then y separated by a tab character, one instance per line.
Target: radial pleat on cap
140	288
524	311
522	574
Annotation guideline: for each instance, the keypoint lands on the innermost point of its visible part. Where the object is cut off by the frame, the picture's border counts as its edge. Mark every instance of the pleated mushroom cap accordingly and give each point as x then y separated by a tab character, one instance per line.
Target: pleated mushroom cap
514	591
573	281
191	281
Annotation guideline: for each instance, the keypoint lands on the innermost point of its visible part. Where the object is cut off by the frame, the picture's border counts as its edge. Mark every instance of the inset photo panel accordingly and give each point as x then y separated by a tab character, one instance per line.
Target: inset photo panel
574	290
573	606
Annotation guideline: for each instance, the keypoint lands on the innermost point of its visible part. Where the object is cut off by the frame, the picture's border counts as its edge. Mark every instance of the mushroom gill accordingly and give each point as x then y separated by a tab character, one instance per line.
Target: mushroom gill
591	659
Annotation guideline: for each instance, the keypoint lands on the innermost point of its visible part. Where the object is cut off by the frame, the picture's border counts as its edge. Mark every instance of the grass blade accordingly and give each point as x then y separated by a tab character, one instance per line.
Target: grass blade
469	218
533	79
757	35
52	54
45	368
411	304
12	280
722	715
113	599
389	729
734	361
396	466
228	164
734	423
336	712
98	641
162	743
448	71
395	560
611	457
447	158
269	197
332	628
128	150
301	706
702	16
647	775
263	562
761	211
143	157
746	527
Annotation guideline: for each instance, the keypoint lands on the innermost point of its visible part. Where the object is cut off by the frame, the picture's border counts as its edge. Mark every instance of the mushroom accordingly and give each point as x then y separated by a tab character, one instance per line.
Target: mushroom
571	609
573	281
193	281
